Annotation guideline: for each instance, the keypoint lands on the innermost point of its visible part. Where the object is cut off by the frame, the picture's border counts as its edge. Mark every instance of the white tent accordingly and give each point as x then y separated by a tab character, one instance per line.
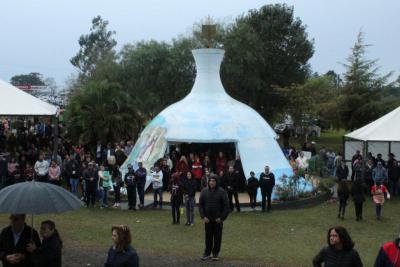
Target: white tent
15	102
380	136
209	115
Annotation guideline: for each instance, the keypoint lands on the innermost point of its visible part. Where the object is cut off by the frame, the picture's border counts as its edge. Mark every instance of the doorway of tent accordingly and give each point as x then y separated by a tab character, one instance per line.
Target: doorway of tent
210	151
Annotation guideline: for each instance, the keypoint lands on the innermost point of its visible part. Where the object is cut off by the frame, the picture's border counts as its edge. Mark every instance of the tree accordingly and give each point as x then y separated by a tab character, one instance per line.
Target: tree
361	96
33	78
157	73
100	111
95	47
50	82
265	49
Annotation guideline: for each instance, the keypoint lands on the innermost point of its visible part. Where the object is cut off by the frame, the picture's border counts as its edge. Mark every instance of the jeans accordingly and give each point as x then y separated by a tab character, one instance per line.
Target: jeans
378	210
393	187
74	186
3	181
140	188
190	202
104	197
131	190
233	193
158	192
253	198
359	209
266	194
175	205
90	194
117	193
342	206
213	237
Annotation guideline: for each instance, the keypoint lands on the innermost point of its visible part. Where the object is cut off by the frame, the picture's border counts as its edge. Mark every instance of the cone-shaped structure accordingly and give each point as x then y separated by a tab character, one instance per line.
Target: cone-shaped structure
209	115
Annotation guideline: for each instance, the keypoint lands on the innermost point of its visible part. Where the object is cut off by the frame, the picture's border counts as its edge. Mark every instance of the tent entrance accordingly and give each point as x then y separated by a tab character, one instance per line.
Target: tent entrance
201	149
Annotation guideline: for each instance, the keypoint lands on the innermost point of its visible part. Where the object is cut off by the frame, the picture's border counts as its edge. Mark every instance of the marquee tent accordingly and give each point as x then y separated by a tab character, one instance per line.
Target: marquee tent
209	115
380	136
15	102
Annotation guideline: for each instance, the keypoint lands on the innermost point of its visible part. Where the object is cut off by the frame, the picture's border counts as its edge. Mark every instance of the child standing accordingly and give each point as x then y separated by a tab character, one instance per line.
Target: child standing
343	194
252	187
378	194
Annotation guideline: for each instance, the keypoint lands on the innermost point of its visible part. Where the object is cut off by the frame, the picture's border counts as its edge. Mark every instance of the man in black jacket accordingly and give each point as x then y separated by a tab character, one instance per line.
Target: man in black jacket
130	182
267	183
214	209
91	176
14	240
232	187
141	176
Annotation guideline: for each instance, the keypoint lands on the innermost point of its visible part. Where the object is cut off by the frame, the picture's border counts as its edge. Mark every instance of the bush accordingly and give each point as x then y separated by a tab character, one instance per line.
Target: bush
295	187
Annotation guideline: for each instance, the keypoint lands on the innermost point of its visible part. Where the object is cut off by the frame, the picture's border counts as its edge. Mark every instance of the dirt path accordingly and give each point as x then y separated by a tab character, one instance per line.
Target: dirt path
95	257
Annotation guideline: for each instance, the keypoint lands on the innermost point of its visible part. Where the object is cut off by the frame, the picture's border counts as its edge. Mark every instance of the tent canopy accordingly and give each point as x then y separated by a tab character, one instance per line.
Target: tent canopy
386	128
209	115
15	102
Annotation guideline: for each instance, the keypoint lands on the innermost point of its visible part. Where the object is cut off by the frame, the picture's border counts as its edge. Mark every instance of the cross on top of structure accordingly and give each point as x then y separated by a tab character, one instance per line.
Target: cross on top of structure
208	31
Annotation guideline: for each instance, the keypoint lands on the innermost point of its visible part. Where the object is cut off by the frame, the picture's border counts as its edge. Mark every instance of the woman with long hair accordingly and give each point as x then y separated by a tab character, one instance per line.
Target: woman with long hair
121	254
49	253
339	252
357	193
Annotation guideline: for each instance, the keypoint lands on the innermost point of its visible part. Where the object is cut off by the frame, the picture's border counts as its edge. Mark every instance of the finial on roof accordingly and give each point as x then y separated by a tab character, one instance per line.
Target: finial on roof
208	30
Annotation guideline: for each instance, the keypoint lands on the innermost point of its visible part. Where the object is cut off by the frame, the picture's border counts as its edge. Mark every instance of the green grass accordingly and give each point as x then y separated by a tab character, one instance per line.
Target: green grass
281	238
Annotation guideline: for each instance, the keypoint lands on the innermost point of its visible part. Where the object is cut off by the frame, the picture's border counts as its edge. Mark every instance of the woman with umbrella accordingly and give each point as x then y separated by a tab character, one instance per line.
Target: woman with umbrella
49	253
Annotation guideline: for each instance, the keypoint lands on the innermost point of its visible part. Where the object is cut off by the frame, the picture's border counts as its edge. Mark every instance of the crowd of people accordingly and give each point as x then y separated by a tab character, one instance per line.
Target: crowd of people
90	172
27	153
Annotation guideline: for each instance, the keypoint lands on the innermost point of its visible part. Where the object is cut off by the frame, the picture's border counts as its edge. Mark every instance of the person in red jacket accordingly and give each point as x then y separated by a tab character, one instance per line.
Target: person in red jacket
221	163
197	171
389	254
378	192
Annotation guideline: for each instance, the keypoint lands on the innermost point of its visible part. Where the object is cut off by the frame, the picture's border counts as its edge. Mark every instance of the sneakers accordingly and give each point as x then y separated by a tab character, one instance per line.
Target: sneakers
215	258
205	257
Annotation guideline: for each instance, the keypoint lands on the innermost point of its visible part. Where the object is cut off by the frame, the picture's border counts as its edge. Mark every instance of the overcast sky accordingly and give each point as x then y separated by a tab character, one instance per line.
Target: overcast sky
42	35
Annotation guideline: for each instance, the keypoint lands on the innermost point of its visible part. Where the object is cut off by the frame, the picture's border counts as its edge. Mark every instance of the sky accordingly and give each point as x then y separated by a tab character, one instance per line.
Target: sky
42	35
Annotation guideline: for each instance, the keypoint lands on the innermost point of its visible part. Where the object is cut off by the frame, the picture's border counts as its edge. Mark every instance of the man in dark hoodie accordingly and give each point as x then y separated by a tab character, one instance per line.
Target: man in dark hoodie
214	209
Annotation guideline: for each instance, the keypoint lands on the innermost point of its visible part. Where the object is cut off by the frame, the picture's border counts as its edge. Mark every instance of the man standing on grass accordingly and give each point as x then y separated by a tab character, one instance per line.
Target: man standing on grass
267	183
214	209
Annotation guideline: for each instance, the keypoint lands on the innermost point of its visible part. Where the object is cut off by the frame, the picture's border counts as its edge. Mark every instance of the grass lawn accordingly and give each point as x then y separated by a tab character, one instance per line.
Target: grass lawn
281	238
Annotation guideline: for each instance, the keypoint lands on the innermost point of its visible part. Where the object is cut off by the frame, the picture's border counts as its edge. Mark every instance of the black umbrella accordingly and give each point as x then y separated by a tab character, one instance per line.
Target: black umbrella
37	198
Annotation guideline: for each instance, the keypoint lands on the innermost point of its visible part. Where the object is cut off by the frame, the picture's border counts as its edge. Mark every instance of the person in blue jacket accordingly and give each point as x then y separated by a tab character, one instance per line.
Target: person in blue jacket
121	254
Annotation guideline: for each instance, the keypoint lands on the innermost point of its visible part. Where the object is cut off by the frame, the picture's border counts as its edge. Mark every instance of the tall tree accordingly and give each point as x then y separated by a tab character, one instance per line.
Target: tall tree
265	49
157	73
33	78
95	47
100	111
362	90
